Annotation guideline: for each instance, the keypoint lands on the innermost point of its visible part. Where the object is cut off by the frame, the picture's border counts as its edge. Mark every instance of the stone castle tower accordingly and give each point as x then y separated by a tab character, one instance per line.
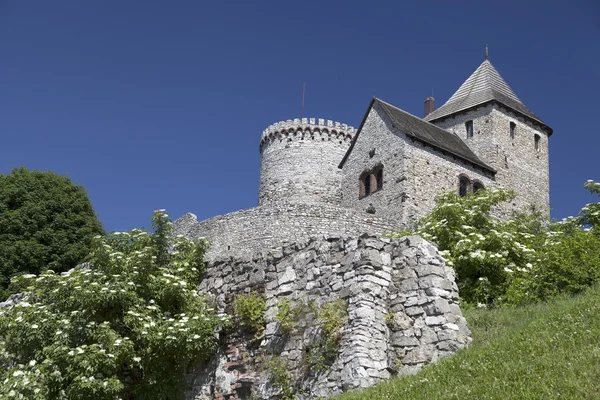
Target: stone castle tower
487	114
299	161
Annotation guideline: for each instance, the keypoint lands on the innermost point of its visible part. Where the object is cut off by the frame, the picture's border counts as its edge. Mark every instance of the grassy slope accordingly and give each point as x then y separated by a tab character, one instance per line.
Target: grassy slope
544	351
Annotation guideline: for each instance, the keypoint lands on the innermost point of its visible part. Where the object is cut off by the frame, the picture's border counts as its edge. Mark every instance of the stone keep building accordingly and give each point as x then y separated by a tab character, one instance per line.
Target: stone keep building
323	178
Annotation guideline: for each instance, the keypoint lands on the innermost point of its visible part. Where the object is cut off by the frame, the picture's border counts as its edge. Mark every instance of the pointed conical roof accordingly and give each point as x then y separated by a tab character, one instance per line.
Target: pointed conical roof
483	86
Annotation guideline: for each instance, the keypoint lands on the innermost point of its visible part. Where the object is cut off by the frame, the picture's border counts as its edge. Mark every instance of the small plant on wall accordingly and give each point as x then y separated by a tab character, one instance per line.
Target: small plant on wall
330	318
287	315
251	308
279	375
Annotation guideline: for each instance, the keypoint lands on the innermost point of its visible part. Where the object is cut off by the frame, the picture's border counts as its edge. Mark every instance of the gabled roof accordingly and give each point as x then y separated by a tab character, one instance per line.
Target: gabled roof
423	131
483	86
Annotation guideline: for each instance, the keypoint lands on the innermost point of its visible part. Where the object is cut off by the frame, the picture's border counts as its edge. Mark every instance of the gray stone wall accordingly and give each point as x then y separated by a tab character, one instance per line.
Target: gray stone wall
299	161
520	166
375	146
413	173
402	313
255	229
430	173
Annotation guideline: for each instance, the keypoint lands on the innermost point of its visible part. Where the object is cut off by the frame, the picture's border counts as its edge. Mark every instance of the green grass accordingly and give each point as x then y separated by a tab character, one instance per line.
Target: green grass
543	351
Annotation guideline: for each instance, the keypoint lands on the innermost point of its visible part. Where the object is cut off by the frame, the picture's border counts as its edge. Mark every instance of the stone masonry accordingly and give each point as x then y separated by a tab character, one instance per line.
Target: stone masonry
251	230
402	313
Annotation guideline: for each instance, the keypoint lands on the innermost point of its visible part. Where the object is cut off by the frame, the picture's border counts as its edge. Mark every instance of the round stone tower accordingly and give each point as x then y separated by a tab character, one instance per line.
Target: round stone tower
299	161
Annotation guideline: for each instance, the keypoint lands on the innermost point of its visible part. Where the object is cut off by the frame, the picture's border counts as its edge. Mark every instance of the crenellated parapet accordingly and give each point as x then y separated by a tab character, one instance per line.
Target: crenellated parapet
307	128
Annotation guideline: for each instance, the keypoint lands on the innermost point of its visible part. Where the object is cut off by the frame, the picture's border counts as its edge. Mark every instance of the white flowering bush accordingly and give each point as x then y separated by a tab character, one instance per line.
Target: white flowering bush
483	249
567	258
522	259
589	215
126	327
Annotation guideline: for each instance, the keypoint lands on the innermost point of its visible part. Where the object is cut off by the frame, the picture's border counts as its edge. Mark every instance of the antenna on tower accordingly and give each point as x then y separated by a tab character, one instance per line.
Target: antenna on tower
486	52
303	90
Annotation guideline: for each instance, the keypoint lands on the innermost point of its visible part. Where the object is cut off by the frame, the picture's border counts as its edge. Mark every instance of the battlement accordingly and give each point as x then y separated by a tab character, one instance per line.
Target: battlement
303	127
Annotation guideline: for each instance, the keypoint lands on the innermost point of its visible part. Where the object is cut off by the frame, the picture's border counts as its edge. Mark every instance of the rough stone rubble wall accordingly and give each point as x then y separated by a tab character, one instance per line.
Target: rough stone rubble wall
299	161
403	279
255	229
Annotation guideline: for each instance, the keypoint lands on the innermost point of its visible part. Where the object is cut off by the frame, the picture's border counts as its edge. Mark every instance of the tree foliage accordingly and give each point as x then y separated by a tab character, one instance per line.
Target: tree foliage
46	221
127	327
521	259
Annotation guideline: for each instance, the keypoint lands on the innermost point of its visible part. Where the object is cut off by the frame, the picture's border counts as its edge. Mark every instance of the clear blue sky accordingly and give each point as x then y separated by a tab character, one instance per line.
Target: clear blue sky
161	104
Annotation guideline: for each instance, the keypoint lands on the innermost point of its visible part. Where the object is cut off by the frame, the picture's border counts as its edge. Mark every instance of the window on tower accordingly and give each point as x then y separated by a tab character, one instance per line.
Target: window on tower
513	128
469	128
536	142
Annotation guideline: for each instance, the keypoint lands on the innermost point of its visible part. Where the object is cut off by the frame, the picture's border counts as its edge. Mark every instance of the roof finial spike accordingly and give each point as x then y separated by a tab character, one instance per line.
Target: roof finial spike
486	52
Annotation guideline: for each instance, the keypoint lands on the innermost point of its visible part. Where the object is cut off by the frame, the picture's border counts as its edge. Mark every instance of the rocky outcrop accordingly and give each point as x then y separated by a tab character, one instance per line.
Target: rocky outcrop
401	312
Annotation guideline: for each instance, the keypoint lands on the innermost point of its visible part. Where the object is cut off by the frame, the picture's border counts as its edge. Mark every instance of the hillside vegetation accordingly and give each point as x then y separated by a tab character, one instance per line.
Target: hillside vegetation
540	351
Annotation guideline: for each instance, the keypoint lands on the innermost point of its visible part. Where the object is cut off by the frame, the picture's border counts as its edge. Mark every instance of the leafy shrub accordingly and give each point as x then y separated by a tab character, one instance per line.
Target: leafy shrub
46	221
127	327
251	309
590	214
279	376
568	261
330	318
519	260
287	314
483	249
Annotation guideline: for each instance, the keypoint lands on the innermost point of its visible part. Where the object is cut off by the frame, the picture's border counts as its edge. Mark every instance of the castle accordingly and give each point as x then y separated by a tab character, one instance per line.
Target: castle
327	192
321	177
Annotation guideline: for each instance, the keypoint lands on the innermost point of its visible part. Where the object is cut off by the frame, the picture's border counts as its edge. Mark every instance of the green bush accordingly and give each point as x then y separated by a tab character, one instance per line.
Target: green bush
279	376
481	248
514	261
568	262
251	309
590	214
46	221
330	318
287	315
128	327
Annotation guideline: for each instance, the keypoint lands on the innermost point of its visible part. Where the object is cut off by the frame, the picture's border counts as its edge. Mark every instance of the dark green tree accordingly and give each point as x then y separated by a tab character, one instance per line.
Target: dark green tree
46	221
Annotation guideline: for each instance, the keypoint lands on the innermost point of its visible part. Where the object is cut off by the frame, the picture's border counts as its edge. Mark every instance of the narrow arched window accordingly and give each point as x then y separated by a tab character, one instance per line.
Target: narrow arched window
513	128
477	186
463	186
380	179
536	142
367	180
469	128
